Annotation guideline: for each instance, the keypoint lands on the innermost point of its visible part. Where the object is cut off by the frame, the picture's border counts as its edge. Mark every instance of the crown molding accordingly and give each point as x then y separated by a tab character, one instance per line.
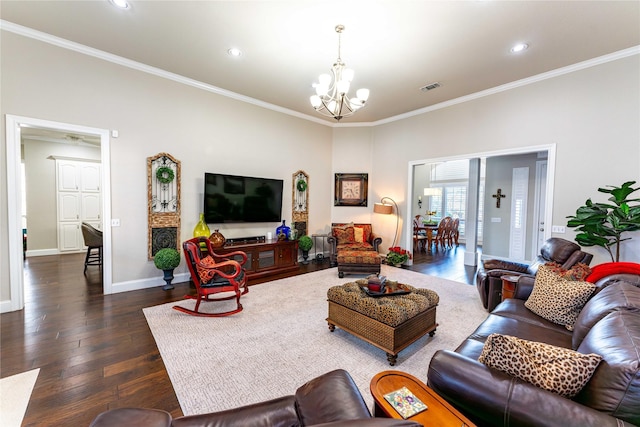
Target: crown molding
96	53
105	56
635	50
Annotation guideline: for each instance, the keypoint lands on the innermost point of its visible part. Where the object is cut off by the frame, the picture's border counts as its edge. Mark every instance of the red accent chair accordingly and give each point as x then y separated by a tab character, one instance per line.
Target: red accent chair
214	274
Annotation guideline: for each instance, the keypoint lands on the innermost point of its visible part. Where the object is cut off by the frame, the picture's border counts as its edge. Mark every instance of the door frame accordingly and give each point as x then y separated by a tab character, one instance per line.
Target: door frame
14	192
471	250
539	200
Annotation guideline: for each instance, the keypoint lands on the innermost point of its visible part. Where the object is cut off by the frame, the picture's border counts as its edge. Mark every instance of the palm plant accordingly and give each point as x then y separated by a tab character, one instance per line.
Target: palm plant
603	224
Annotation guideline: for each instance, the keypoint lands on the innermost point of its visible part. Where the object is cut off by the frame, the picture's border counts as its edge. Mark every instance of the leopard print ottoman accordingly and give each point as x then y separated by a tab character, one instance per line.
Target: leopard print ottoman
390	323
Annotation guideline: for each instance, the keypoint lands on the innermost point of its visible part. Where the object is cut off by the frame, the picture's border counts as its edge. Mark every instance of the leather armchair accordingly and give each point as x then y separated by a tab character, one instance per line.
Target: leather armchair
555	249
331	399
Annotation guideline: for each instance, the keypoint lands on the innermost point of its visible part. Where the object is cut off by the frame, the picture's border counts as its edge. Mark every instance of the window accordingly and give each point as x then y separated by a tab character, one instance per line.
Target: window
453	179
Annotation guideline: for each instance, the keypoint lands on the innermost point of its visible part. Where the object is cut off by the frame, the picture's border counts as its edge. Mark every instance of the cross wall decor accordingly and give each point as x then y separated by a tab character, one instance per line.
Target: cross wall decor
498	196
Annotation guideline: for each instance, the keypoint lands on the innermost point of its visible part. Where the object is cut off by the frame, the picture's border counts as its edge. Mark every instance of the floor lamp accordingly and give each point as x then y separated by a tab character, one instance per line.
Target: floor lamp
386	209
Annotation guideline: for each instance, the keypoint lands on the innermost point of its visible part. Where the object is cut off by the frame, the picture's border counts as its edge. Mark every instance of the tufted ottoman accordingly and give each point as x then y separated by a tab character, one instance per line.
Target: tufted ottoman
391	323
358	261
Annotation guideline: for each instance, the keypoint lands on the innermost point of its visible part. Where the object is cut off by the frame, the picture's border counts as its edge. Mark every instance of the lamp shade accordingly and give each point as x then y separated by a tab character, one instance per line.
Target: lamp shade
430	191
382	208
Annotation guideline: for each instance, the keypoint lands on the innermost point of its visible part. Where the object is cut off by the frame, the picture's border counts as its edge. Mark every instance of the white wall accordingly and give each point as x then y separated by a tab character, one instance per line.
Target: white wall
499	174
40	172
592	116
206	132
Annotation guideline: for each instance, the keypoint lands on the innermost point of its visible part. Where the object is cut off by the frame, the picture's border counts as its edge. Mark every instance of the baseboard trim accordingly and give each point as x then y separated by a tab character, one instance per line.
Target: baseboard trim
152	282
44	252
5	306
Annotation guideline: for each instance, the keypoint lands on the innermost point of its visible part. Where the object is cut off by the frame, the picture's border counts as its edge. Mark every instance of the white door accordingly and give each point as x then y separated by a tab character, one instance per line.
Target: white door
518	231
540	207
91	207
68	177
69	237
90	176
68	207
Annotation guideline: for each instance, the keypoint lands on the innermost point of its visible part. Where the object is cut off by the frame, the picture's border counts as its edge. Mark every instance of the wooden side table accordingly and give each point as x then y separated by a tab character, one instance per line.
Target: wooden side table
508	286
439	412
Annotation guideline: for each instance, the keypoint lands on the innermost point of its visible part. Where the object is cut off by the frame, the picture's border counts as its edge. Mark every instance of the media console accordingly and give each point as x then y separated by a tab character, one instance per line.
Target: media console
264	257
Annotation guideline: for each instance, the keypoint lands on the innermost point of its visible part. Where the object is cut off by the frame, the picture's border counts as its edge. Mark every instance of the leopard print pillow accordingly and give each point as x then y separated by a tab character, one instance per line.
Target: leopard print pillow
557	299
552	368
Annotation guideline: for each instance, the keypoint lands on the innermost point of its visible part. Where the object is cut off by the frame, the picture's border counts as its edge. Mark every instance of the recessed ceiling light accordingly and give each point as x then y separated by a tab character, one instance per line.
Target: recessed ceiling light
519	47
234	51
122	4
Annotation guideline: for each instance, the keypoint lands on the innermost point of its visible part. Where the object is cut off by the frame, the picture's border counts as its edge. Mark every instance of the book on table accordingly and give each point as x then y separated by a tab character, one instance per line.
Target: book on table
405	402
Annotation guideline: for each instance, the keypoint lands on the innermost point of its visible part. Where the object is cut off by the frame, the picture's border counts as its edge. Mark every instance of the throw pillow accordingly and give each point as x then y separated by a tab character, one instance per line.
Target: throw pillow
344	234
358	233
203	268
552	368
557	299
579	271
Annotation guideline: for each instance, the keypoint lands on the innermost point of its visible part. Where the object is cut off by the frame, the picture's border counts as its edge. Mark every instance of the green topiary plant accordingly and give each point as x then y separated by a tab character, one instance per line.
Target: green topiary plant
305	243
167	259
602	224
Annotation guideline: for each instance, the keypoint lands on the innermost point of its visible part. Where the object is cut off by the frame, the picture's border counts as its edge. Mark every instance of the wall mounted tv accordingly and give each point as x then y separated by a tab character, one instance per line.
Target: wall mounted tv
232	198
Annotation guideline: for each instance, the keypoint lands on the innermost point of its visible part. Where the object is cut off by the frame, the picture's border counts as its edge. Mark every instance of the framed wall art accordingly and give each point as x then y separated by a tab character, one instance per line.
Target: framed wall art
351	189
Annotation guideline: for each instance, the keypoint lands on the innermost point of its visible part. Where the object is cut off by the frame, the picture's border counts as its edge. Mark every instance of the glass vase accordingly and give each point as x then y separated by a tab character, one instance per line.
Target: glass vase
283	231
201	229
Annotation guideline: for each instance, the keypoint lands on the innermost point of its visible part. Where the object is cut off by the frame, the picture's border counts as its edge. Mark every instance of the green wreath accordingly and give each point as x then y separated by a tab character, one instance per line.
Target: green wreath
301	185
164	174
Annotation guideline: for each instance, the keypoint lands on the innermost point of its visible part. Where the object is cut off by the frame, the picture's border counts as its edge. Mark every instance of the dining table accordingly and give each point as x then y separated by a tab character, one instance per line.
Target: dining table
428	227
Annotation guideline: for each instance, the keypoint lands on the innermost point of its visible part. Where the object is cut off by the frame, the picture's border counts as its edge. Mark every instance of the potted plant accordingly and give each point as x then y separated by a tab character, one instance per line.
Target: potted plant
603	224
305	243
397	256
167	259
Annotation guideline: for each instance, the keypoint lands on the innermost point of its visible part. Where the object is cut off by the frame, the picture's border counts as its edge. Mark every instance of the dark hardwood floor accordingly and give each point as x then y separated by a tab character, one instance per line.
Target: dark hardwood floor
96	352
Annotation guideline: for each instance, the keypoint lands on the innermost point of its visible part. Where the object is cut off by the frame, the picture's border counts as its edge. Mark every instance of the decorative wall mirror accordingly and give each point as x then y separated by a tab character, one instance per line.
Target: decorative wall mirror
163	193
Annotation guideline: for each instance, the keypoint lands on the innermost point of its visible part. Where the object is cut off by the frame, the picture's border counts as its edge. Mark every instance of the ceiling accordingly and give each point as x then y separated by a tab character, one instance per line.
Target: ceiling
394	46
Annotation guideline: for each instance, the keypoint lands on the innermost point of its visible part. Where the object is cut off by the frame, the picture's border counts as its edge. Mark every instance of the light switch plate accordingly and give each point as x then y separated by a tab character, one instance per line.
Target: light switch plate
558	229
115	222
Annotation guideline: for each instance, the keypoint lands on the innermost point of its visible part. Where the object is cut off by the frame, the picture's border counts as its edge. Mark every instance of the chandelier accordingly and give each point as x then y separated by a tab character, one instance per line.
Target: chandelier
331	98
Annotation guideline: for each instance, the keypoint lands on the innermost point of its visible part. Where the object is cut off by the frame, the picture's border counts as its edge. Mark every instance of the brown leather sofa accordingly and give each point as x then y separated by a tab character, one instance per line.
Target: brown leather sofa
488	281
608	325
329	400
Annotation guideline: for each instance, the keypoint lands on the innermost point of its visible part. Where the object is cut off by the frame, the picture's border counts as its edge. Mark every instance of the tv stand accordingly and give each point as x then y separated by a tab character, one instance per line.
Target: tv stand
264	257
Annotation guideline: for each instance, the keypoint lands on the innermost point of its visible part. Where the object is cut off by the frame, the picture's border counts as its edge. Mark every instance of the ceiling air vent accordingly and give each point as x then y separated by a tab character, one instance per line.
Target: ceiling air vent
430	86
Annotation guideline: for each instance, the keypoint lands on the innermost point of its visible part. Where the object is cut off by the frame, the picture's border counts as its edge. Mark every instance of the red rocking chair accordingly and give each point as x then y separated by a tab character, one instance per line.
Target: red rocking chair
214	274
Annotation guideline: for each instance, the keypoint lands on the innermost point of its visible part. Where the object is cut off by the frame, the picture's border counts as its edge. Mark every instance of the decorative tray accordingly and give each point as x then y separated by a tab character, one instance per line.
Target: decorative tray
384	294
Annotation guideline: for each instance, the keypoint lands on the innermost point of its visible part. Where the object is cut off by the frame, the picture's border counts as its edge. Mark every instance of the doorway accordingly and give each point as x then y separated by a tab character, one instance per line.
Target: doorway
544	194
14	126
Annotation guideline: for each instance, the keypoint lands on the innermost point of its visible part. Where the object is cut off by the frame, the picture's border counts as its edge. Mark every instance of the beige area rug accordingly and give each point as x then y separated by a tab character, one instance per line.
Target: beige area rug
15	392
281	340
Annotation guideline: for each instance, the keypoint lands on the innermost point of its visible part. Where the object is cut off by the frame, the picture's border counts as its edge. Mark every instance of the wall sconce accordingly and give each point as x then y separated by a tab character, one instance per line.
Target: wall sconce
419	202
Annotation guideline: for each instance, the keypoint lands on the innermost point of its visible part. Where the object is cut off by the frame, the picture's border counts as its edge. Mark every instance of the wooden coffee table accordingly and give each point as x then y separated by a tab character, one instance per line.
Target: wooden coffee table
439	412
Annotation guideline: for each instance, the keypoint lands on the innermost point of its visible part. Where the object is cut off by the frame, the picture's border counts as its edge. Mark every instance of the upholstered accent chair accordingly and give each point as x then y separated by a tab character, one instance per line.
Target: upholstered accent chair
356	246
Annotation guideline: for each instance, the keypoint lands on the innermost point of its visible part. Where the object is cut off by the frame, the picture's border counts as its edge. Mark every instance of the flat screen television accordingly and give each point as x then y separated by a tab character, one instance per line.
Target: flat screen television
233	198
